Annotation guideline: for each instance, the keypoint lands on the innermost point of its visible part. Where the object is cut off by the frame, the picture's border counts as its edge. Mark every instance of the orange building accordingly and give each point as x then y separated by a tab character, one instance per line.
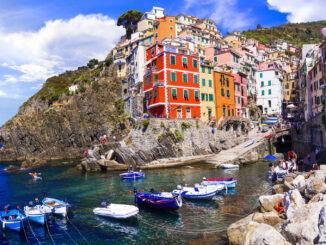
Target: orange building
171	82
164	27
224	95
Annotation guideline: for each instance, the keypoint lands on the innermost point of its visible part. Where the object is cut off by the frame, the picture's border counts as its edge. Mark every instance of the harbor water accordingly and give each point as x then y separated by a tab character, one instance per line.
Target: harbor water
195	222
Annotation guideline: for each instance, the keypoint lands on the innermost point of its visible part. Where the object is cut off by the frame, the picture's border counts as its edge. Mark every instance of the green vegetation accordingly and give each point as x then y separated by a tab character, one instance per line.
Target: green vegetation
129	21
119	106
92	63
108	62
197	124
185	125
145	123
170	133
154	129
160	137
178	135
162	125
297	34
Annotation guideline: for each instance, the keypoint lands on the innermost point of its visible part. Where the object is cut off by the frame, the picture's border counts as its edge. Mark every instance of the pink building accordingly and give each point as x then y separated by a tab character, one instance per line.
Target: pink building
240	94
261	46
315	81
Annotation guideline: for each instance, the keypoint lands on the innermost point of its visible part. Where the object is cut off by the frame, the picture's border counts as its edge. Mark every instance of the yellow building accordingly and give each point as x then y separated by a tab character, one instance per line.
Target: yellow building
207	92
287	83
232	40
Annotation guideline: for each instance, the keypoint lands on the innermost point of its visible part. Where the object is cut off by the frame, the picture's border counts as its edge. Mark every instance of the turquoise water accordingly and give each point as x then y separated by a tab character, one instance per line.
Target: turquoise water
85	191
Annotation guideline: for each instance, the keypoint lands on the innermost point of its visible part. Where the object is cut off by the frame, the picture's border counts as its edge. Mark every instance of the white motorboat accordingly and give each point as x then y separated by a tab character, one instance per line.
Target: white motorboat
228	166
38	213
57	206
199	191
117	211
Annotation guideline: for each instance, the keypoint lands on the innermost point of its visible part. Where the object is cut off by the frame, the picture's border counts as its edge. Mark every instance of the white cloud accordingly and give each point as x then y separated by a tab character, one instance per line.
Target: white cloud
226	14
300	10
10	95
59	45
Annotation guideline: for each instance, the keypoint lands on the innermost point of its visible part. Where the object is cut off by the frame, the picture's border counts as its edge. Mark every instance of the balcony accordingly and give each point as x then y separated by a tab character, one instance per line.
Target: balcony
150	69
119	55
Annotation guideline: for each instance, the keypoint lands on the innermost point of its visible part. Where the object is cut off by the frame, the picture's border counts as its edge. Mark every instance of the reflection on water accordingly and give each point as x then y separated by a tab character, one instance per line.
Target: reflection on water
85	191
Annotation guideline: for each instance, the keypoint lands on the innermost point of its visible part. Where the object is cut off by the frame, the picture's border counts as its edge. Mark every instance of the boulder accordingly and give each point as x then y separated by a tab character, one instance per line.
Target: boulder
280	188
292	201
93	154
236	231
12	168
268	202
269	218
90	165
321	238
259	233
279	156
299	182
109	154
315	184
302	226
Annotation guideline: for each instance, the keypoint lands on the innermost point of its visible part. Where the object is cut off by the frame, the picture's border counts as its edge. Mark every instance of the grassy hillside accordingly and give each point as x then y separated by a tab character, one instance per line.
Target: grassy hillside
297	34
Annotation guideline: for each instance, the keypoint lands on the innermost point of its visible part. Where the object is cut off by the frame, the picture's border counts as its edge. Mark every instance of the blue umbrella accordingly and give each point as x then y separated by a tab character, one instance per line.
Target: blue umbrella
270	157
0	146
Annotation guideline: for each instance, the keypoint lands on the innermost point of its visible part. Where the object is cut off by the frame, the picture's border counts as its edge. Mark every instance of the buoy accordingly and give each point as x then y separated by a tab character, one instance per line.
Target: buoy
123	195
130	192
162	190
142	191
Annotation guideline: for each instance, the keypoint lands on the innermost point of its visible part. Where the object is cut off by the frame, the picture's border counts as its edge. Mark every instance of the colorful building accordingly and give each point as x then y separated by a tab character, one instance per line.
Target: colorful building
171	84
224	95
240	95
164	27
207	92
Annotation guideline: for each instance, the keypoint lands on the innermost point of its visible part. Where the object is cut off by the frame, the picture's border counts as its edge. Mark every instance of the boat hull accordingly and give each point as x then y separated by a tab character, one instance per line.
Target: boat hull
125	212
152	201
134	175
12	220
15	225
227	184
39	219
57	207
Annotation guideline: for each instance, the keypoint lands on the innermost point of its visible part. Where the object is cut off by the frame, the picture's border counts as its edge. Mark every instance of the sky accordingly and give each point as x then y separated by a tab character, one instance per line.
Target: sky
39	39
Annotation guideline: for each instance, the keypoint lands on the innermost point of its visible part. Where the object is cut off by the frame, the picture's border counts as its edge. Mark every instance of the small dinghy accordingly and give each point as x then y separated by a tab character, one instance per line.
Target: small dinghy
35	176
159	200
57	206
12	219
133	175
229	166
38	213
199	192
227	182
250	143
116	211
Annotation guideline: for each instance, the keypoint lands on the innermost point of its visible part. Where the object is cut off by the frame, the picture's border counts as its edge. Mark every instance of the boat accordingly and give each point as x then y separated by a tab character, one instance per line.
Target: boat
35	176
57	206
227	182
12	219
250	143
116	211
133	175
199	192
228	166
38	213
159	200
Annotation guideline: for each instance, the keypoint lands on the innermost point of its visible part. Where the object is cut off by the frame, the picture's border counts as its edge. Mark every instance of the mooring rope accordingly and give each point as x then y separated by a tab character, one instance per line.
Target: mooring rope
70	236
30	227
47	227
25	234
77	230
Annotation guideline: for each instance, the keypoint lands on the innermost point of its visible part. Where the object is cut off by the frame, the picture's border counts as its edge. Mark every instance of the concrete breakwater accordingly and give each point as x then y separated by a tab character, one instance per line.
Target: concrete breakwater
167	143
302	221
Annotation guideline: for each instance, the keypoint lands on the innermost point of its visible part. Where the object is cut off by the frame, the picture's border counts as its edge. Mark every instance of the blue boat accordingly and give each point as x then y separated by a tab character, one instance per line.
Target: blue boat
227	182
38	214
159	200
199	192
133	175
12	219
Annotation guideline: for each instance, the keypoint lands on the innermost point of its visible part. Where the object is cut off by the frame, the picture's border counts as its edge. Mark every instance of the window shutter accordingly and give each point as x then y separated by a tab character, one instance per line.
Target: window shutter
262	84
222	91
269	91
196	79
185	77
262	92
210	83
174	93
203	69
173	76
184	60
202	97
209	70
196	95
145	80
155	93
194	61
269	83
172	60
228	93
203	82
185	94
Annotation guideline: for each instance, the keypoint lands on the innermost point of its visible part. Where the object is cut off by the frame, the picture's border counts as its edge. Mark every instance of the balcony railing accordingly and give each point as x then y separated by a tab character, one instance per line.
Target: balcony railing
150	69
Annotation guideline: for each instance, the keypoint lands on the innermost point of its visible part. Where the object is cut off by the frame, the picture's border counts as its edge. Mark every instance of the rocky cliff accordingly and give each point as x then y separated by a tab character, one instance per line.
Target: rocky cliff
57	123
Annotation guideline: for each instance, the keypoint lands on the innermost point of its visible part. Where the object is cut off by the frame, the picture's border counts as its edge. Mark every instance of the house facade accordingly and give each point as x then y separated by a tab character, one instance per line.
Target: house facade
207	92
240	95
171	84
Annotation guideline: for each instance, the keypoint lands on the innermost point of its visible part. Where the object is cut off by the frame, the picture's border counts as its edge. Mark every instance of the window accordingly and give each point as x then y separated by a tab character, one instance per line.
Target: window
224	111
171	21
269	83
145	80
171	36
150	23
202	97
222	80
150	79
156	34
228	93
238	100
173	76
238	87
184	61
196	95
194	63
209	70
153	50
196	79
185	77
211	97
203	82
215	58
172	59
227	82
206	97
222	91
262	84
261	75
174	93
150	95
203	69
269	103
185	94
155	93
171	28
269	91
262	92
156	79
210	84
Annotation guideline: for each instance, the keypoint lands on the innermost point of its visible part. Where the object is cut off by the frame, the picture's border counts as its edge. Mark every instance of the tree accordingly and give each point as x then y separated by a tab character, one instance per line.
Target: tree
92	63
129	21
258	26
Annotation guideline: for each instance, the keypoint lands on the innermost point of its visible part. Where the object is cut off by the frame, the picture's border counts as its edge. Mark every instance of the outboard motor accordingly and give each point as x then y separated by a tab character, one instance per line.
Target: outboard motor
152	191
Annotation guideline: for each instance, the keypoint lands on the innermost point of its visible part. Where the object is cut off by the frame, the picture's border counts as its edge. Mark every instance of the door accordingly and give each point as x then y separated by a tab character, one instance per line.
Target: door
188	112
209	114
179	113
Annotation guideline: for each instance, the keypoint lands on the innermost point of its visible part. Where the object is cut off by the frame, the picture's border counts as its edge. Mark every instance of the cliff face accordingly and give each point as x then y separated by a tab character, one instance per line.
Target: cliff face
58	124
